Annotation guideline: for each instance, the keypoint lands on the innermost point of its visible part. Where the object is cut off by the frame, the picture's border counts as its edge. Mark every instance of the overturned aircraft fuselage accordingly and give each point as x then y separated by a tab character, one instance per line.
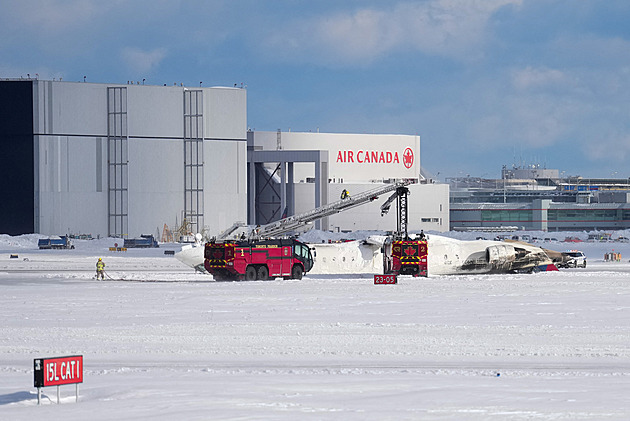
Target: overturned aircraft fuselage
446	256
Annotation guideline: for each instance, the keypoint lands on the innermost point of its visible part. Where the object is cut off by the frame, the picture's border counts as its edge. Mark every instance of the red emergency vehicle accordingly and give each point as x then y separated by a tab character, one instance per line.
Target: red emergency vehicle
406	257
262	260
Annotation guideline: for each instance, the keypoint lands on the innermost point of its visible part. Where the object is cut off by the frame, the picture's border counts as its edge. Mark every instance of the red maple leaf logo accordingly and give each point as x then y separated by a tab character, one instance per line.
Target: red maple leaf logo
410	251
408	158
218	254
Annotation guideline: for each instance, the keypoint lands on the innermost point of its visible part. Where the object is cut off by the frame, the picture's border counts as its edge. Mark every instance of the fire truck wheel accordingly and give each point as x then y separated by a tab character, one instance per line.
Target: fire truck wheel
263	273
250	273
296	273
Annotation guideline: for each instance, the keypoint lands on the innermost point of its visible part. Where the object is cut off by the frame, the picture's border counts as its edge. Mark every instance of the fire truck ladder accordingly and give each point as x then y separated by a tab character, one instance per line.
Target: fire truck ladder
401	194
296	221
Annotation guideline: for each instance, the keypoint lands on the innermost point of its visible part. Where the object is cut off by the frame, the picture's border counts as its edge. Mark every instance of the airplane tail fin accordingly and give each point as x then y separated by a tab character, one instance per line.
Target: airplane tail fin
548	268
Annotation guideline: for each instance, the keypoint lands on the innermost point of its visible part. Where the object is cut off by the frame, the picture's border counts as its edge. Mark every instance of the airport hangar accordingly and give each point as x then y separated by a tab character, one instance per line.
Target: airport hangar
127	159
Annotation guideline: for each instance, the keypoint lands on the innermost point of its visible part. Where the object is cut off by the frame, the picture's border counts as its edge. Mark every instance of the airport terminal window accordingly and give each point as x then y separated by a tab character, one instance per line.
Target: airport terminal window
506	215
582	215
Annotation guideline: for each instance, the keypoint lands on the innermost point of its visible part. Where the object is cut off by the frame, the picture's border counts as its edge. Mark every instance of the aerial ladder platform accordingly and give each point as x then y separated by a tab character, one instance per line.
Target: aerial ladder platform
295	222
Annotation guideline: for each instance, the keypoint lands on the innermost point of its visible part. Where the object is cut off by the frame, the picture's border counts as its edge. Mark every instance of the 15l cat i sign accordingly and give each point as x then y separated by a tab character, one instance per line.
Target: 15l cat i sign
58	371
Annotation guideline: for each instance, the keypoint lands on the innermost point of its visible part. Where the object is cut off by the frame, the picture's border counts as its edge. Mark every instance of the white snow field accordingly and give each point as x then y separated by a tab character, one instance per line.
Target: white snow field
162	342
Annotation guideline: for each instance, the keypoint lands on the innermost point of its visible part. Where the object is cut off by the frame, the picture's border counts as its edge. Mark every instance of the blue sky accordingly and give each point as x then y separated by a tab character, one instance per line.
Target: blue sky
485	83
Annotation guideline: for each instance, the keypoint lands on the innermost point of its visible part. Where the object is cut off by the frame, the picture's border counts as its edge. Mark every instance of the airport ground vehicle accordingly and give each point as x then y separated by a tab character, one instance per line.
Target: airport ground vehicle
250	253
403	255
406	257
55	243
576	259
261	260
145	241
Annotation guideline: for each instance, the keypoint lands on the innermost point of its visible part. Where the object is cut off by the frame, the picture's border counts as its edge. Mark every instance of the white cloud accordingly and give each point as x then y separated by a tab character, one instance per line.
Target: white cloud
140	61
453	28
543	77
447	27
530	123
611	148
57	16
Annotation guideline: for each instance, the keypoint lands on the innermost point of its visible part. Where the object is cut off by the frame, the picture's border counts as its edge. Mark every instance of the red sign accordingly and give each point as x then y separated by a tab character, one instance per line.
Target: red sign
59	370
385	279
408	158
370	157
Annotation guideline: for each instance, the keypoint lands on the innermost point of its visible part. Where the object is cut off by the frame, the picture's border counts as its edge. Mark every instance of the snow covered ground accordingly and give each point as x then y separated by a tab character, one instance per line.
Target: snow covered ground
162	342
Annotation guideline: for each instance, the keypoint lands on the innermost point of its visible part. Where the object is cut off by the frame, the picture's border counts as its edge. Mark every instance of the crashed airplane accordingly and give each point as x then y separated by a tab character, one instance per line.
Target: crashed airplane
445	256
448	256
378	254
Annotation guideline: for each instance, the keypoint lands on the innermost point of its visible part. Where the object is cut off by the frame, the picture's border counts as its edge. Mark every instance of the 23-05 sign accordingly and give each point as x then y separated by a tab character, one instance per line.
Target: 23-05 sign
384	279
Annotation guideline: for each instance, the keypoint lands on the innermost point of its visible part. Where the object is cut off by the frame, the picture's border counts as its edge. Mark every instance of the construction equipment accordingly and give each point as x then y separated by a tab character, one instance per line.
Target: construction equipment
167	235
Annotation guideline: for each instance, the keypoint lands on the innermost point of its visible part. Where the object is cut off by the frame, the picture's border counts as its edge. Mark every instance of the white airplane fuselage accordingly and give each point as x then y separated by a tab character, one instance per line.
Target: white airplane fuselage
446	256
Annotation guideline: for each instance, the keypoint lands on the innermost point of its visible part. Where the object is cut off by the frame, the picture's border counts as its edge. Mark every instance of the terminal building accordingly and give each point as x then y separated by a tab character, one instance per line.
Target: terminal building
534	198
128	159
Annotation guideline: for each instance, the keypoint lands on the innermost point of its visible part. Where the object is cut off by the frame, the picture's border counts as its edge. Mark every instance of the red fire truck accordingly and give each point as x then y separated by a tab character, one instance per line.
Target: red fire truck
406	257
262	260
247	252
402	255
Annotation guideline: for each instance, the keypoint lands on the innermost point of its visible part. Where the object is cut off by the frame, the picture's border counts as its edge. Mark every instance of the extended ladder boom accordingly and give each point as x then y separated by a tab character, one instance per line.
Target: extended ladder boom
296	221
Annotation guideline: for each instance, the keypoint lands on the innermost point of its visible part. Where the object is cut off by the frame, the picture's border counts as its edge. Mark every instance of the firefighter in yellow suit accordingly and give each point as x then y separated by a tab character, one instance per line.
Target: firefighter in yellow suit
100	269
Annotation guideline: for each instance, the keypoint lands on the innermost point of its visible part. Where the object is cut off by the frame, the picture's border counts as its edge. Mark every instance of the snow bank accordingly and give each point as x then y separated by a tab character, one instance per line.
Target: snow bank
20	242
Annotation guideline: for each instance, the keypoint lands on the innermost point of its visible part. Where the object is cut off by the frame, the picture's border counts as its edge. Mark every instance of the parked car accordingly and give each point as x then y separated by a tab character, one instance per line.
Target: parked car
576	259
572	240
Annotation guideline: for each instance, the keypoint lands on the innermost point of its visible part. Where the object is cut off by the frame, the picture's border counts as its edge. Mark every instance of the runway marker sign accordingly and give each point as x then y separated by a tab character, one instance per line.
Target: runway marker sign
385	279
58	371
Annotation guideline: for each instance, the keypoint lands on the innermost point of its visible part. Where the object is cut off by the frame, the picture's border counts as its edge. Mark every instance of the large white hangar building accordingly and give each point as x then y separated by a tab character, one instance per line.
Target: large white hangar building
317	167
120	160
126	159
